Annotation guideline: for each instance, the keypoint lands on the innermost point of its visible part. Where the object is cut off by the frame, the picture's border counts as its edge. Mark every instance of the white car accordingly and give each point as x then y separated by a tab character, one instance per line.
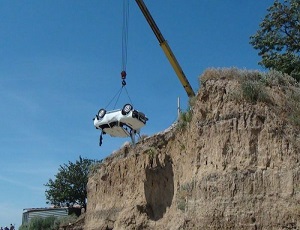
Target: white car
120	123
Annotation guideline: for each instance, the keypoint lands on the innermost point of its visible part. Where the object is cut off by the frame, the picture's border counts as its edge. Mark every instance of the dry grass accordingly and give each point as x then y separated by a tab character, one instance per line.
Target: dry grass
227	73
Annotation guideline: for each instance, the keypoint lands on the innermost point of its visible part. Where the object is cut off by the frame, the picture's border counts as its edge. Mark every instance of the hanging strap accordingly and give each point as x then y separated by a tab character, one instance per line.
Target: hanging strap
117	96
128	96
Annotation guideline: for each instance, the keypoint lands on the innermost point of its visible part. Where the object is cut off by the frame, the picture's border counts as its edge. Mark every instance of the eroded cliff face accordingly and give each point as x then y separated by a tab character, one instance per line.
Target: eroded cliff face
235	165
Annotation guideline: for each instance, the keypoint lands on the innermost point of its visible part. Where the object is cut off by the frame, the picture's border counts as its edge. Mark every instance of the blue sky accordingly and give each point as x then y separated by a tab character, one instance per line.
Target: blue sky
61	62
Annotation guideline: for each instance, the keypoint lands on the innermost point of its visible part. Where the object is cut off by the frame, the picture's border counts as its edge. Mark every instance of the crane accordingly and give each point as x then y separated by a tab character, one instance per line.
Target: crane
166	48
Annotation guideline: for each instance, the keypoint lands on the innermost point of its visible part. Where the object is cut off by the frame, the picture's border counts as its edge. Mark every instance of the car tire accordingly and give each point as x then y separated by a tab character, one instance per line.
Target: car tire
126	109
101	113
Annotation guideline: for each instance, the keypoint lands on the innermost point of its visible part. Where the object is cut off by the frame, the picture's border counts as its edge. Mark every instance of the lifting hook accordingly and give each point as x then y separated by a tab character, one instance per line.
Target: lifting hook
123	76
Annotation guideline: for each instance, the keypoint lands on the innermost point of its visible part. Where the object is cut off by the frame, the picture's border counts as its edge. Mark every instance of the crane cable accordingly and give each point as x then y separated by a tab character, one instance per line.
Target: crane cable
125	44
124	53
124	40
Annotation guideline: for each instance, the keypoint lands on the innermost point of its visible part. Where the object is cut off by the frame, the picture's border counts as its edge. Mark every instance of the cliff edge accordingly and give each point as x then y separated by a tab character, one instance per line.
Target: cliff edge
231	162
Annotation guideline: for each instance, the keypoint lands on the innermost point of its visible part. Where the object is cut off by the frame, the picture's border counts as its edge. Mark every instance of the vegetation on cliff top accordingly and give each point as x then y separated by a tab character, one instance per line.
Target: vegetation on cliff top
259	87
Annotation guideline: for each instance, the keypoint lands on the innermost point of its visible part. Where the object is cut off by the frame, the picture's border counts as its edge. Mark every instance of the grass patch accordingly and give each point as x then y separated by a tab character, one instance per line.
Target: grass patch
184	193
254	91
294	105
186	117
151	152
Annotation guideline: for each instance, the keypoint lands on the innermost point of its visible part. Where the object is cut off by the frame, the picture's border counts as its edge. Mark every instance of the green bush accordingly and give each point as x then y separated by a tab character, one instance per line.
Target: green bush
66	220
184	119
24	227
39	223
36	223
254	91
294	106
181	205
48	223
152	153
275	78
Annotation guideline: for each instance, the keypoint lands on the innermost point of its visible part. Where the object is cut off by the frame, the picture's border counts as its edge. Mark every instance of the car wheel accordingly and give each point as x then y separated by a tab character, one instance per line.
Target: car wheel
126	109
101	113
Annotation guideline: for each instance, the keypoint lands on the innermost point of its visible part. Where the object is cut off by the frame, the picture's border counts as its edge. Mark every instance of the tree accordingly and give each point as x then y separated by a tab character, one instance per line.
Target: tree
278	38
69	186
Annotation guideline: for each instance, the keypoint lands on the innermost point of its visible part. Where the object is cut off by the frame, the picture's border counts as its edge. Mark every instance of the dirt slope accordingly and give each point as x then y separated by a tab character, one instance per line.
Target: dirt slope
234	165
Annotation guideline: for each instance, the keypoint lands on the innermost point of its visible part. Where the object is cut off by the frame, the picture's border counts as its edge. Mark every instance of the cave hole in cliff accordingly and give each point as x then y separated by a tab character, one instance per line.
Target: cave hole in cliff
159	188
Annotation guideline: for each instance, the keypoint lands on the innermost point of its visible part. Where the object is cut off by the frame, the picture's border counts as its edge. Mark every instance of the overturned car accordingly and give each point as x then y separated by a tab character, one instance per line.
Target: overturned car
124	122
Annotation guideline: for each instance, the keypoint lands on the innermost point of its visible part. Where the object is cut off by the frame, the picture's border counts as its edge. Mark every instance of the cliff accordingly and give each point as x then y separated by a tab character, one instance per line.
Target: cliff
231	162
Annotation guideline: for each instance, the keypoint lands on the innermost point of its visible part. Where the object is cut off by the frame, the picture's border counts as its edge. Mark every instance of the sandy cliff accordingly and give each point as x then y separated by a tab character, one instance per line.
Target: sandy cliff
234	165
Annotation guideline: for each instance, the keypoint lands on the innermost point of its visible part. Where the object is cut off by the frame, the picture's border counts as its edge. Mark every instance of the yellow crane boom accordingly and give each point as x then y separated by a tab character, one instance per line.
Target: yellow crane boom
166	48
